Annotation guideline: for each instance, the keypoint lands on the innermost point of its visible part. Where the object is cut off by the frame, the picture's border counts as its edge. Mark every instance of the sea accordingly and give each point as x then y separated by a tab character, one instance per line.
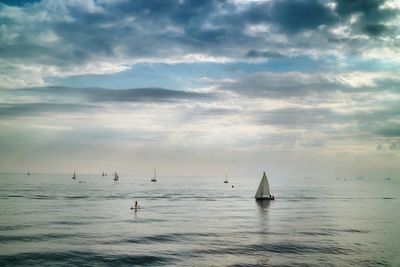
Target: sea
52	220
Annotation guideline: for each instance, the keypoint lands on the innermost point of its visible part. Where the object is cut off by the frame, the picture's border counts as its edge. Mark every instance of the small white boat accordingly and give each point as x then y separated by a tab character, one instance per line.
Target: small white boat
263	192
154	179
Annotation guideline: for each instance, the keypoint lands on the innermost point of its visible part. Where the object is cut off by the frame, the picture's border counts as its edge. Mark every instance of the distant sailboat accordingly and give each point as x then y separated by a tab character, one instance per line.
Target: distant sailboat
263	192
74	176
103	174
226	179
116	177
28	173
154	179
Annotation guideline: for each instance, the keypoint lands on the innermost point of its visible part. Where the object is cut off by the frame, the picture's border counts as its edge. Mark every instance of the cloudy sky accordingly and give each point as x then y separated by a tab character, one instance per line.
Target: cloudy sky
295	87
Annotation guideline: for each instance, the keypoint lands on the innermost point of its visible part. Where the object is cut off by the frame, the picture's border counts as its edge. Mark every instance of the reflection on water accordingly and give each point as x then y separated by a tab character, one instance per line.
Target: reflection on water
263	205
263	230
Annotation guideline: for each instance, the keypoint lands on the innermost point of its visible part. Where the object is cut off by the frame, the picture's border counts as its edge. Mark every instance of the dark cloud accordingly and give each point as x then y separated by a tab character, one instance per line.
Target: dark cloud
145	95
67	100
62	94
290	16
300	84
283	85
372	15
348	7
294	16
375	29
263	54
33	109
75	36
18	2
389	131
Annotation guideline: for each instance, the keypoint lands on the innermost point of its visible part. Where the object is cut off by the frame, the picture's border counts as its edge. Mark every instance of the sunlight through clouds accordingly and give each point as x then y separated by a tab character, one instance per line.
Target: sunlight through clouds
238	82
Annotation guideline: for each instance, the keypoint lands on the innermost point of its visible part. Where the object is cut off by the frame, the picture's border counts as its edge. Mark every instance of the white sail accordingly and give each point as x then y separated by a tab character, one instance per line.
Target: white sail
263	188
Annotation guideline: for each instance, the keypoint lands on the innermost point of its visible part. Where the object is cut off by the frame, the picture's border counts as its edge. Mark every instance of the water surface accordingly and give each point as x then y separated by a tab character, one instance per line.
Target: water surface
52	220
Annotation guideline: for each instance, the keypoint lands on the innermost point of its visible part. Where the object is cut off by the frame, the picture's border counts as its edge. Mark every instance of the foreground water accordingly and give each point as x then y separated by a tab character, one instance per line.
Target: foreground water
52	220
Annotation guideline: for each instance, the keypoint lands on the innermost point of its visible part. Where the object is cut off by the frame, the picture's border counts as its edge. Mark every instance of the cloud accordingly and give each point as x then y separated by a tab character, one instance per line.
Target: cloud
18	2
287	76
390	131
290	15
298	84
64	38
375	29
369	17
263	54
300	117
35	109
146	95
58	99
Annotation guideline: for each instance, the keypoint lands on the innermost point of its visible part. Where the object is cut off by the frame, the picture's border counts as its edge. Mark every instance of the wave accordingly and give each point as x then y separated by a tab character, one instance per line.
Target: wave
69	223
170	238
298	199
34	238
77	197
13	227
80	258
13	196
280	248
353	231
162	238
316	233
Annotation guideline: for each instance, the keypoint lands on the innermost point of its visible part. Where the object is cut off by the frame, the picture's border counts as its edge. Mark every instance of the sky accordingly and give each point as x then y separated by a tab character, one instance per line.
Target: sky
299	88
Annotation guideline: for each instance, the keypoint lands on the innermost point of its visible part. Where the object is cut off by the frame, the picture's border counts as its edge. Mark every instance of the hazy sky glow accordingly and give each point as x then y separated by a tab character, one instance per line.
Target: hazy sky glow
297	87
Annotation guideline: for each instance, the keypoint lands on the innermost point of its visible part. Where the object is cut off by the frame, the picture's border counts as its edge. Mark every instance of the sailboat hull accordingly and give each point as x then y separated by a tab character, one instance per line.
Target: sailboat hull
265	198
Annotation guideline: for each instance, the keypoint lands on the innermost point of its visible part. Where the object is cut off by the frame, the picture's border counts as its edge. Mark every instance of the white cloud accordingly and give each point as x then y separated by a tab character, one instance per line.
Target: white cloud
67	38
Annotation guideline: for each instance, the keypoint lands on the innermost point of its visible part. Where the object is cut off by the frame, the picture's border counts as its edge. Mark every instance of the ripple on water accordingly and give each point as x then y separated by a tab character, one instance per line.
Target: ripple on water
80	258
279	248
34	238
161	238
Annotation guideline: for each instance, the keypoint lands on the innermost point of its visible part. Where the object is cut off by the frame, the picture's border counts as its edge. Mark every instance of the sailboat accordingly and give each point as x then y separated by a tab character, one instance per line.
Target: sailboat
116	177
154	179
226	179
263	192
74	176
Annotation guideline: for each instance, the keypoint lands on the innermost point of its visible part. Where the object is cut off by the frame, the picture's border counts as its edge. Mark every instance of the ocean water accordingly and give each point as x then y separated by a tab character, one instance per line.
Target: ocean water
52	220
